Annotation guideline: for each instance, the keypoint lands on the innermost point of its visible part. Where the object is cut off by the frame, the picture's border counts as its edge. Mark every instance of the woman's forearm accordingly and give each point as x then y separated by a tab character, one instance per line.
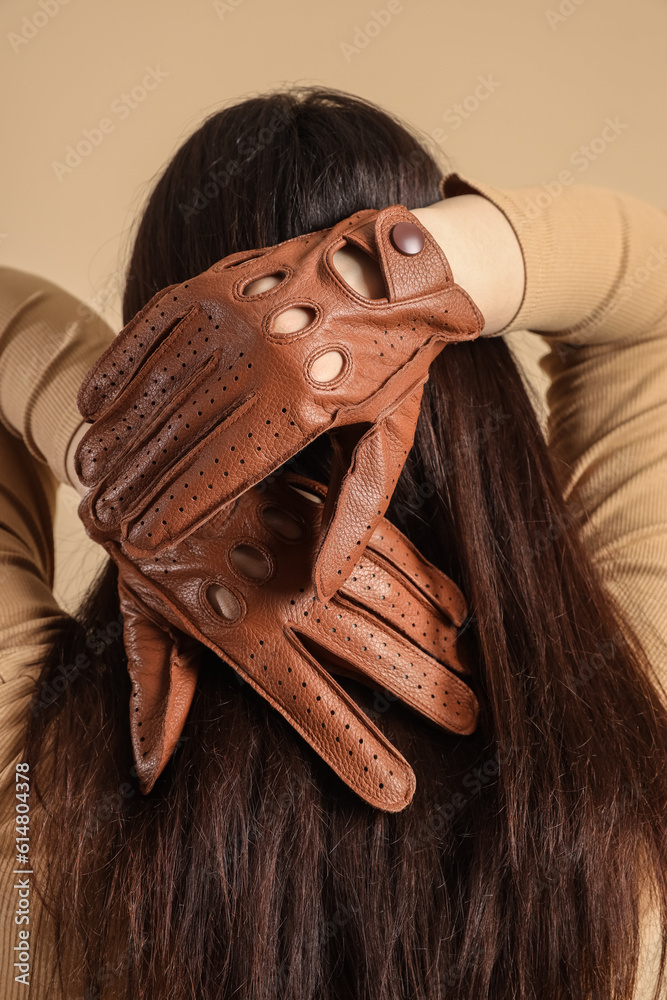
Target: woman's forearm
594	260
483	253
48	341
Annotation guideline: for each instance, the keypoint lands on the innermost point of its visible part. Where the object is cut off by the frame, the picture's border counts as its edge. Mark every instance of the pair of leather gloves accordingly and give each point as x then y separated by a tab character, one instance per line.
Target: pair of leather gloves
194	404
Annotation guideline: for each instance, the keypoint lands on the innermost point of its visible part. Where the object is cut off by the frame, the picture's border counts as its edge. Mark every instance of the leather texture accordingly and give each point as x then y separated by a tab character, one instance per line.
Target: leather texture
199	398
393	625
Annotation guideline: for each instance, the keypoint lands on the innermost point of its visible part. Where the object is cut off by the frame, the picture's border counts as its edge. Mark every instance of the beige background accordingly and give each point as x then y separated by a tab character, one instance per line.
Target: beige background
554	72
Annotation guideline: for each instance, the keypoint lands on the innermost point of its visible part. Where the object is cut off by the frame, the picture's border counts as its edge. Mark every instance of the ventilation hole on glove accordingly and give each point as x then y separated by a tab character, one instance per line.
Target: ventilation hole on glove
326	367
260	285
250	561
239	263
223	602
282	523
306	493
359	271
294	319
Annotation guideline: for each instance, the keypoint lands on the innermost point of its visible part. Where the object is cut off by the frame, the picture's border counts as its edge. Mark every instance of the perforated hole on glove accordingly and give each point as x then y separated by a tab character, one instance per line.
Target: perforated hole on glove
224	602
257	286
283	524
359	271
295	319
251	562
305	493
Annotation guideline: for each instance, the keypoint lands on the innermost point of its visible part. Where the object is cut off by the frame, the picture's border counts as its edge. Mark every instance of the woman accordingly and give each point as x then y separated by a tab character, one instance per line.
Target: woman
523	866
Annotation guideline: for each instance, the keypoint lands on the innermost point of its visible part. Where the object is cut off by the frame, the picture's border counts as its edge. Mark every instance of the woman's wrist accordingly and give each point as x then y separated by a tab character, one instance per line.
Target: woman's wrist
69	461
483	253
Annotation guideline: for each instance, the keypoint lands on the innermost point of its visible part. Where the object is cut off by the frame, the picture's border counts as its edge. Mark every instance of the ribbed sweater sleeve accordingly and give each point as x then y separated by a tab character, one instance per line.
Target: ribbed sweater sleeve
48	341
596	292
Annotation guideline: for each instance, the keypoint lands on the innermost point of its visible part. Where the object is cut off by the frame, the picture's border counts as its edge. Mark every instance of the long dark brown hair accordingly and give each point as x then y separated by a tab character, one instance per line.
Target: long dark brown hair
250	870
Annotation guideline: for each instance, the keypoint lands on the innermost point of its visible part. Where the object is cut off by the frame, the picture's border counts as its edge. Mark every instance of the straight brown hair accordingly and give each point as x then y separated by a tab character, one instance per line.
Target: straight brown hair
250	870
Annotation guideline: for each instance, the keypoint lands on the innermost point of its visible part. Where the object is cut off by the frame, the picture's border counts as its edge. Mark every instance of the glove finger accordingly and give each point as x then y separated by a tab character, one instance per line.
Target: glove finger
224	464
382	655
117	365
122	491
412	596
353	512
294	683
198	456
161	383
397	550
163	666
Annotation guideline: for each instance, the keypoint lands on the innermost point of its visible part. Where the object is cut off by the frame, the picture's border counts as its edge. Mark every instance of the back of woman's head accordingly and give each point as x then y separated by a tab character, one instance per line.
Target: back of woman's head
250	870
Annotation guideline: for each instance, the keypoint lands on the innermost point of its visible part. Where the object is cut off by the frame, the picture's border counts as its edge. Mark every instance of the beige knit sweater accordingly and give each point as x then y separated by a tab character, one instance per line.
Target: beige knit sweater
596	290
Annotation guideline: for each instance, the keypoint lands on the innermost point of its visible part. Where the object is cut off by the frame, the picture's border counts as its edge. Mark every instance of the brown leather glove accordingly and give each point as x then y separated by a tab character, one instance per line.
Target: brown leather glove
241	584
199	397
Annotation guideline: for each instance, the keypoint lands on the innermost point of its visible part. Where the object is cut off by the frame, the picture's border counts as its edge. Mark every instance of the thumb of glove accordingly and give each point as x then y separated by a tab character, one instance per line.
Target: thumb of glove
163	665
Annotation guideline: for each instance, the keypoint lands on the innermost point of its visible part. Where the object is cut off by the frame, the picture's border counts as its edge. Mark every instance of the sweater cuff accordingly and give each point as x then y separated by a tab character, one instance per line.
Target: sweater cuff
579	257
49	340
